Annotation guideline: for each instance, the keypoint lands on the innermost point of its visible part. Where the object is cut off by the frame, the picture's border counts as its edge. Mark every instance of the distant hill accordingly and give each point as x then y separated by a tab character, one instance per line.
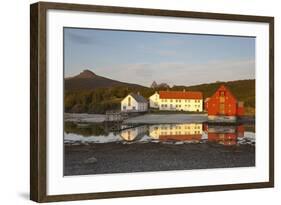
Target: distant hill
88	80
243	90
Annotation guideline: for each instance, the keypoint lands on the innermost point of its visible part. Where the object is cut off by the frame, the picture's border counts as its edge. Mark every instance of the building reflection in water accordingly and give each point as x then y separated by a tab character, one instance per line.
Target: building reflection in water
225	135
135	133
177	132
189	132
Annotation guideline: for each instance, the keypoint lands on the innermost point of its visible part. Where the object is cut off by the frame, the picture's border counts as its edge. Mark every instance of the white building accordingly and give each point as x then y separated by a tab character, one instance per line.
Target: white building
187	131
177	100
154	100
134	103
135	133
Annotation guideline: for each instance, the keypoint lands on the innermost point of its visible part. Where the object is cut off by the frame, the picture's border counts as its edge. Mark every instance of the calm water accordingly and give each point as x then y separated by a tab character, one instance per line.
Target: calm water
227	135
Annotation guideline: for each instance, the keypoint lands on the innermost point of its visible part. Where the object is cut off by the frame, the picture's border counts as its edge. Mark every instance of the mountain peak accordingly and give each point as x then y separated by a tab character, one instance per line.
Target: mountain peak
154	84
88	80
161	85
86	74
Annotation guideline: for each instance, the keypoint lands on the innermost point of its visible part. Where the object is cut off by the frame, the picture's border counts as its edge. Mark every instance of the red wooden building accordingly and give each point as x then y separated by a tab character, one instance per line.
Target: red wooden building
223	103
226	136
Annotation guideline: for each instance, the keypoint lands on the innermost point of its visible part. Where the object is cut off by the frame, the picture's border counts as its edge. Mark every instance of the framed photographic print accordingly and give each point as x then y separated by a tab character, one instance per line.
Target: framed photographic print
134	102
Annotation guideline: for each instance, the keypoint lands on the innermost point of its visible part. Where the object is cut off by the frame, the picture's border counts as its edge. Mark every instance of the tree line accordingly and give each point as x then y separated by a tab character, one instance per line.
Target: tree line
100	100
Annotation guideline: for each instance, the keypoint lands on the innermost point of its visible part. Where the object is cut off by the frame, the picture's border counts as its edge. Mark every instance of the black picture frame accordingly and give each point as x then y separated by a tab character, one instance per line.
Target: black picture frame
38	103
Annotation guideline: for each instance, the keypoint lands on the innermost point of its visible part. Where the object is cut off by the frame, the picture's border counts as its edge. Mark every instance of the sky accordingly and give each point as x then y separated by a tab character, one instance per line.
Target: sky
144	57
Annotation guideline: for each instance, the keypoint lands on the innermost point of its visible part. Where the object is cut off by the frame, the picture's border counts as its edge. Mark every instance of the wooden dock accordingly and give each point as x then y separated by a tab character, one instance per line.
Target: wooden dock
115	116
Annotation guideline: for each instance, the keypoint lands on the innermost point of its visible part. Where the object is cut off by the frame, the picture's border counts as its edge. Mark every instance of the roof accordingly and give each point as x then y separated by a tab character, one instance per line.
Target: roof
138	98
180	95
224	87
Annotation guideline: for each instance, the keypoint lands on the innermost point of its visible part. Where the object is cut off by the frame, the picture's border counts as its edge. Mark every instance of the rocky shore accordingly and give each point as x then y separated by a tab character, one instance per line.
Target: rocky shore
125	158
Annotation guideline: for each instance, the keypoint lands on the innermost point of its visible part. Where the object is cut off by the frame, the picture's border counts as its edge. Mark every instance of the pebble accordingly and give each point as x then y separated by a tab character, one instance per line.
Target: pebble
91	160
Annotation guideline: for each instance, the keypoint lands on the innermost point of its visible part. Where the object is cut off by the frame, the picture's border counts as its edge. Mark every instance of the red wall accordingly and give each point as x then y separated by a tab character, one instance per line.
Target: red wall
224	138
240	109
180	137
230	105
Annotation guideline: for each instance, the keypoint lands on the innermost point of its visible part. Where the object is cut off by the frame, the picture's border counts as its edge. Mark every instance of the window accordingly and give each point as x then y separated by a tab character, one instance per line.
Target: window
124	107
134	107
129	101
221	108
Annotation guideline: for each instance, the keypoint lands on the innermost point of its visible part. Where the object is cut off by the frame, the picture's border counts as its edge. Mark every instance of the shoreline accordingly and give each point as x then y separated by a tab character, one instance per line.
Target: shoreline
173	118
167	119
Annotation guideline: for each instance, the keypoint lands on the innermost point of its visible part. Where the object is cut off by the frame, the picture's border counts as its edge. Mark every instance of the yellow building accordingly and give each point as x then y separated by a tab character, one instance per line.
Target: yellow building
186	131
177	100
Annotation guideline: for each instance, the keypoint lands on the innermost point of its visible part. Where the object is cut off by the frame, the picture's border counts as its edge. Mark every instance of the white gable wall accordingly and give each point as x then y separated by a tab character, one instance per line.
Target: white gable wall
134	106
154	100
125	104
